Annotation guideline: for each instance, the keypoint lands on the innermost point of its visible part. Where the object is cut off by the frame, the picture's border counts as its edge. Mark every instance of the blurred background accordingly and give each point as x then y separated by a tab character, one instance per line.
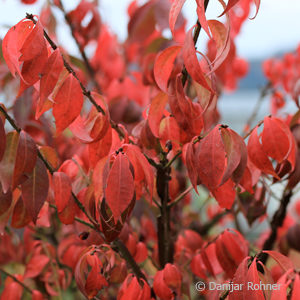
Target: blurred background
273	32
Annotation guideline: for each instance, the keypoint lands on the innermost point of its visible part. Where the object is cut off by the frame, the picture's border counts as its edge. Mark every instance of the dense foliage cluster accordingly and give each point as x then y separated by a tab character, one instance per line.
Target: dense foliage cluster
117	180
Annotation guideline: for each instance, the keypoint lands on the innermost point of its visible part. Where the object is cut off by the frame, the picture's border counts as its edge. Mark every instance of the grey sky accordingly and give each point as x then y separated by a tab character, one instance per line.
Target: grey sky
276	28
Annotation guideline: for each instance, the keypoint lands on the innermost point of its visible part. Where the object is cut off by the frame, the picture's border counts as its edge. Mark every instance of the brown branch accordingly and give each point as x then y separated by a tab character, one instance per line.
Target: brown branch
165	242
251	130
123	250
27	288
277	221
195	38
181	196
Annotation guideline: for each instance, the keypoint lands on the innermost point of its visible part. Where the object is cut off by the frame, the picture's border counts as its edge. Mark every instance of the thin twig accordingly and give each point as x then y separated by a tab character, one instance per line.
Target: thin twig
27	288
258	104
181	196
250	131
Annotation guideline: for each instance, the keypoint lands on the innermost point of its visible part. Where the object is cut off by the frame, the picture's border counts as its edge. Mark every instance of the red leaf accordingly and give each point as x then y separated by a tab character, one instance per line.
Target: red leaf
36	265
253	278
156	112
35	190
32	69
28	1
67	215
12	43
296	288
7	163
67	103
37	295
50	74
225	194
221	35
201	16
160	288
230	4
100	149
34	43
169	131
12	291
6	206
25	158
2	139
94	126
284	262
191	61
258	156
140	165
120	186
210	155
163	66
275	141
240	277
282	284
236	153
62	190
20	216
174	12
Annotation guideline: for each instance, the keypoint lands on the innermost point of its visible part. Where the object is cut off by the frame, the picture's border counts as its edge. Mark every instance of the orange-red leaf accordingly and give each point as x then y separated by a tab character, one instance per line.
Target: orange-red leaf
12	290
253	277
236	153
156	112
62	190
20	216
141	166
50	74
201	16
174	12
36	265
35	190
230	4
163	66
258	156
25	158
275	141
211	159
221	36
67	103
34	43
284	262
191	61
100	149
120	186
12	43
225	194
7	163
